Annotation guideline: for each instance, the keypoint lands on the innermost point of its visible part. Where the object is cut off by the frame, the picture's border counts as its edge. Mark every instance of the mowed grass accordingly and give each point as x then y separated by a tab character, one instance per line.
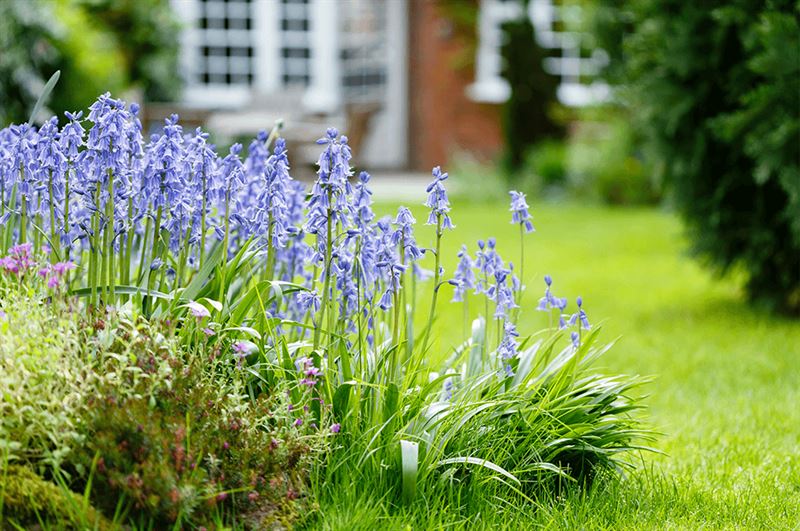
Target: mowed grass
726	389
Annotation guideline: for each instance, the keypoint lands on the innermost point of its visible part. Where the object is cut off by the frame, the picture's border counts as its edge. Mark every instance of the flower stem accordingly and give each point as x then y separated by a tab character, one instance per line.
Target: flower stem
326	284
436	279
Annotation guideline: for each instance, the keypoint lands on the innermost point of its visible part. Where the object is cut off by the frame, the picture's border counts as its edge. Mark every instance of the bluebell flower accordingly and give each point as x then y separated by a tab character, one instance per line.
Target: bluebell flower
437	200
507	350
464	277
519	210
272	207
550	301
71	137
580	315
329	195
487	262
576	340
404	235
362	202
501	293
308	300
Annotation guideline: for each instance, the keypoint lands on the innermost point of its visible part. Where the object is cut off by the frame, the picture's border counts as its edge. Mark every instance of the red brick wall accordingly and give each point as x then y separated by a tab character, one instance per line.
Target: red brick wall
442	119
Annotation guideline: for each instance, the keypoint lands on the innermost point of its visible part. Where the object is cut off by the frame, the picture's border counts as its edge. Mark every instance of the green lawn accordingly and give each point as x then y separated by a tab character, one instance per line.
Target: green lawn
726	393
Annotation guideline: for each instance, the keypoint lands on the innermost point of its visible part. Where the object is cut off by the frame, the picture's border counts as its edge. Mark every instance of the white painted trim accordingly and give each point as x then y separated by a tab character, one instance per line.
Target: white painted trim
267	46
324	93
386	146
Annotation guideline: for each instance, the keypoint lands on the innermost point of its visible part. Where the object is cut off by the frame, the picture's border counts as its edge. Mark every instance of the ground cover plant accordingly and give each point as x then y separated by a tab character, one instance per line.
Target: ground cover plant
308	295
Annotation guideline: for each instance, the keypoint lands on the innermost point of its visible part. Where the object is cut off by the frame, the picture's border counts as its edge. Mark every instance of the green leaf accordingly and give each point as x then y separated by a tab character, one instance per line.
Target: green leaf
409	457
480	462
199	280
124	290
341	400
48	88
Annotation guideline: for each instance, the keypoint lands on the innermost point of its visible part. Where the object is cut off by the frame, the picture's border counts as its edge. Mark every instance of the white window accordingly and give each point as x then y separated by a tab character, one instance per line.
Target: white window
364	51
295	24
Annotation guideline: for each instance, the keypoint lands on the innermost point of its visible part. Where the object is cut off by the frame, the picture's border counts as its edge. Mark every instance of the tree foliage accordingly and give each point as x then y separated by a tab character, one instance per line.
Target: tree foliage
527	115
99	46
717	91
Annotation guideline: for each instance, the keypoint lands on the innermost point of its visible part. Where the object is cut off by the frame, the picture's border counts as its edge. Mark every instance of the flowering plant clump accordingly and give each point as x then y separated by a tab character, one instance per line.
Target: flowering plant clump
308	290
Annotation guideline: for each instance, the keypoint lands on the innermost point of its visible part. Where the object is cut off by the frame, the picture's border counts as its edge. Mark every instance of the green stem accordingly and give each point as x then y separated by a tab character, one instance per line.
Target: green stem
203	227
143	249
154	254
37	222
54	242
225	242
436	279
110	232
93	246
326	284
66	210
125	263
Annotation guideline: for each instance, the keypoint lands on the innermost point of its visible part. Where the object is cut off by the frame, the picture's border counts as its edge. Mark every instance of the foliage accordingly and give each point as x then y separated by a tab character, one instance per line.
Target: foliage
606	162
28	500
717	90
44	379
280	294
183	444
546	163
96	44
146	34
527	115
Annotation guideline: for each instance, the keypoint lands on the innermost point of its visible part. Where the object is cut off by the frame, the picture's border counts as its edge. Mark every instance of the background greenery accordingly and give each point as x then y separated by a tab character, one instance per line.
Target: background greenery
99	46
715	91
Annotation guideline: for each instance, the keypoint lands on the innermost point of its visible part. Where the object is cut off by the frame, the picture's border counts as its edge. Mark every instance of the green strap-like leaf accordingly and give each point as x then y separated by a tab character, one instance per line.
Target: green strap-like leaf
48	88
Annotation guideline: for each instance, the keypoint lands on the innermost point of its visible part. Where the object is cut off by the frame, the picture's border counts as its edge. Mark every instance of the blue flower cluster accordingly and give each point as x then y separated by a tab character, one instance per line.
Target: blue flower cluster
148	213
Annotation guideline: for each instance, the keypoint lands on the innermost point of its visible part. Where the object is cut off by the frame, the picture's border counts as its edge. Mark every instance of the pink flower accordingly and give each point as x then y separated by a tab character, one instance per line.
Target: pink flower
243	348
10	264
60	268
198	310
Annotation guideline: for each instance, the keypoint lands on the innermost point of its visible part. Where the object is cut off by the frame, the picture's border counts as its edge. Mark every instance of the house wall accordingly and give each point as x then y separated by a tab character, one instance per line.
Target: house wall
443	120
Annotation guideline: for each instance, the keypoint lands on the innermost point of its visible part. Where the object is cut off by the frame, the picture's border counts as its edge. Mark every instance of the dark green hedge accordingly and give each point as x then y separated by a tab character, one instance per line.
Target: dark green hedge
716	87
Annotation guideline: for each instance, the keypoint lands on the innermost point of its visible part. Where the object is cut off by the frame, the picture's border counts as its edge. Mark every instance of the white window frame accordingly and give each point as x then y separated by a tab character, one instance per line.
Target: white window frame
491	87
323	94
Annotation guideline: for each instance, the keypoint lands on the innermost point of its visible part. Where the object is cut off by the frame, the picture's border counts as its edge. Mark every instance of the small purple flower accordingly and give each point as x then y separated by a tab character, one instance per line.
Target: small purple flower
576	339
298	423
508	347
242	349
308	300
550	301
437	200
335	428
199	311
61	268
464	277
519	209
448	389
580	315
